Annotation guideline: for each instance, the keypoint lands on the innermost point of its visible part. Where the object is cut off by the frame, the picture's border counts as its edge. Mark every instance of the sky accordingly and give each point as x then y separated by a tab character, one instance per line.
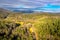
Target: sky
36	5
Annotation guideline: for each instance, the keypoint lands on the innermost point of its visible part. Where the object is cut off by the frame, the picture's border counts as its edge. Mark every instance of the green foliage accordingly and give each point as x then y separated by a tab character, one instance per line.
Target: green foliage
50	30
47	27
13	31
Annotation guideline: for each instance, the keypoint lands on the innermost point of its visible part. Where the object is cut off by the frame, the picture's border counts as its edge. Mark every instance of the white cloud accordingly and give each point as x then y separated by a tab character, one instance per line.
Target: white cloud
30	4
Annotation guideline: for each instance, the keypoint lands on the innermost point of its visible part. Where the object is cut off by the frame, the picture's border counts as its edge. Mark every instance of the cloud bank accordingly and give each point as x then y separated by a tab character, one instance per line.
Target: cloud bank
41	5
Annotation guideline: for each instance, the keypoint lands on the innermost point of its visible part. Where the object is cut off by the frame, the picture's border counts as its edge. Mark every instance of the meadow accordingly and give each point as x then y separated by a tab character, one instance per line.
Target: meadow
29	26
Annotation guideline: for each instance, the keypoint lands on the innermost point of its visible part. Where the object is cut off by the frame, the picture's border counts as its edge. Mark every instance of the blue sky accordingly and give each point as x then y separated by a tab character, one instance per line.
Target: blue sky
36	5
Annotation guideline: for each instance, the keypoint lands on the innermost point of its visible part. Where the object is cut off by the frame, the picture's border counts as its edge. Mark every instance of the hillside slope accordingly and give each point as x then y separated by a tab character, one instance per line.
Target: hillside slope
35	26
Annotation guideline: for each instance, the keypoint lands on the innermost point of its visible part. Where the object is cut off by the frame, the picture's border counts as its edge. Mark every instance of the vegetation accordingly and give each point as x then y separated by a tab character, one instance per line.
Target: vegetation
34	26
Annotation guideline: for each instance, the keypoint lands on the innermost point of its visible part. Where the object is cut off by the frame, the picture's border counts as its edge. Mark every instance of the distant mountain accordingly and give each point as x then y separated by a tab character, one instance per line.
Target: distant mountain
2	10
24	11
4	13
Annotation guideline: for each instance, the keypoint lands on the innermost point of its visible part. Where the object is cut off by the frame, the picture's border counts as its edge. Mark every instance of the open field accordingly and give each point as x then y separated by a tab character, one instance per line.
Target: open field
34	26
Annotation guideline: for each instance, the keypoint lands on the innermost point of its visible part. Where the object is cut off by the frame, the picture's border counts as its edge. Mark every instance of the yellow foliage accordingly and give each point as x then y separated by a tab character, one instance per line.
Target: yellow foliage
20	23
31	30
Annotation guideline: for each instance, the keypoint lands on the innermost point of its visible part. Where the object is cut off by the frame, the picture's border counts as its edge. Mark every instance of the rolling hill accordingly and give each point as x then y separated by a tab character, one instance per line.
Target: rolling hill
34	26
